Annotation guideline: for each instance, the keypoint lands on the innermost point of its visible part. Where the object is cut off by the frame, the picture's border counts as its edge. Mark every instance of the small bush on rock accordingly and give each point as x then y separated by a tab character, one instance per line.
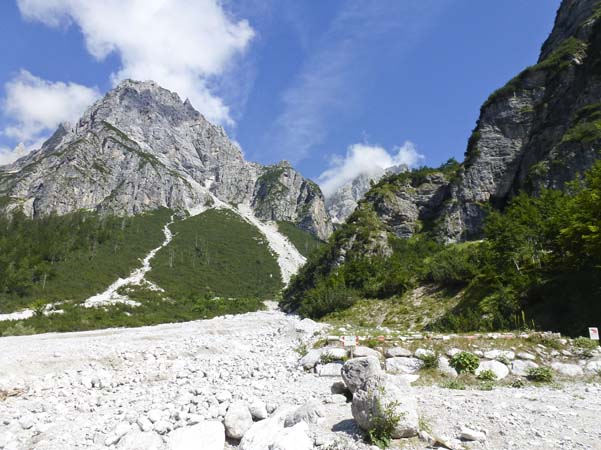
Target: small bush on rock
465	362
383	424
487	375
540	374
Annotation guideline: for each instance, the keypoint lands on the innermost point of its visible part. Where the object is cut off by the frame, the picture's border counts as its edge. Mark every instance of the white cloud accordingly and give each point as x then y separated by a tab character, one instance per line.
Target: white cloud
334	80
181	44
364	159
35	107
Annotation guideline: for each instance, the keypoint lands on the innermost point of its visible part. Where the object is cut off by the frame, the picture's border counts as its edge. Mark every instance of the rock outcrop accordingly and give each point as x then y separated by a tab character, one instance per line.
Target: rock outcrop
140	148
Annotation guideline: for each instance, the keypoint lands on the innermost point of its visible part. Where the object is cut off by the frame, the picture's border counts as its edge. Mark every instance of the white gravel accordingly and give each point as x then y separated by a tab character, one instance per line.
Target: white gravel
88	389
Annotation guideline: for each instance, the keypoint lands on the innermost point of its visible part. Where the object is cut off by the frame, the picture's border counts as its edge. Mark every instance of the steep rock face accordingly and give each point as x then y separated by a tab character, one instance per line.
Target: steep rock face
537	131
140	148
343	202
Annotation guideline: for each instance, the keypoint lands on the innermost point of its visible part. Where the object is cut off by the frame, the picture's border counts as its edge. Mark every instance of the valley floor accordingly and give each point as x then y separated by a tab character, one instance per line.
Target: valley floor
87	389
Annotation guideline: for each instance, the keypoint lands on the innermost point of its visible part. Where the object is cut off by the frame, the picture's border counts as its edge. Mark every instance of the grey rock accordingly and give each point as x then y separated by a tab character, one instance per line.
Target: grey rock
568	370
394	352
500	370
237	420
361	351
521	368
403	365
329	370
140	148
357	371
311	412
139	440
378	394
310	360
208	435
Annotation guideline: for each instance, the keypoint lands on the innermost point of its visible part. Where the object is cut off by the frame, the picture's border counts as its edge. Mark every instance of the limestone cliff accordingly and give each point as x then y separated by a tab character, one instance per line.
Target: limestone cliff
140	148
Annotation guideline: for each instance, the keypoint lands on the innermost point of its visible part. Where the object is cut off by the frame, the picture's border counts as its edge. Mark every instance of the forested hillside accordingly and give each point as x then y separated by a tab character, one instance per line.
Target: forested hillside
539	265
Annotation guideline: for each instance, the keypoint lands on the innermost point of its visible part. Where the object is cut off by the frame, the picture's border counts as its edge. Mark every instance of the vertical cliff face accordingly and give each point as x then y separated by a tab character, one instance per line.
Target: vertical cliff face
539	130
141	148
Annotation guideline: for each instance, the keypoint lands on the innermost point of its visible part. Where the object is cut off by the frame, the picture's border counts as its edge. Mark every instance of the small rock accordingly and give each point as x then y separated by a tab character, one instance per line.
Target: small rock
139	440
329	370
258	410
497	354
527	356
395	352
293	438
467	434
421	352
310	412
403	365
568	370
27	421
361	351
521	368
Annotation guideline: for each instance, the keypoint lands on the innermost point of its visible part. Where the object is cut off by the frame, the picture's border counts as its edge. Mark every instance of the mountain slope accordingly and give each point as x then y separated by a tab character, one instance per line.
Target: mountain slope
141	148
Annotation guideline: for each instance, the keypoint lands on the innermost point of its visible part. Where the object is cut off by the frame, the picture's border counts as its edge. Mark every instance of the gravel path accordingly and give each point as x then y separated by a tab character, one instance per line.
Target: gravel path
81	390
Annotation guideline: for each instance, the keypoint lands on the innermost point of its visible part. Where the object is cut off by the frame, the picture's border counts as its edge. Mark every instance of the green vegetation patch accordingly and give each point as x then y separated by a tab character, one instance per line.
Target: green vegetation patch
586	125
216	254
305	242
71	257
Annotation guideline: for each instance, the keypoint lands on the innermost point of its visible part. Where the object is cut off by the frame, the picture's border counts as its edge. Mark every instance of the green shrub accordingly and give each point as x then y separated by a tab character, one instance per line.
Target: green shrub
454	384
540	374
430	361
584	343
464	362
383	424
487	375
327	358
19	329
518	383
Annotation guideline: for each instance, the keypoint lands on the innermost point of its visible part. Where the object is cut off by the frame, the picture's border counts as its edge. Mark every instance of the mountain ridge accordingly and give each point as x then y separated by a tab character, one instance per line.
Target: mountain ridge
140	148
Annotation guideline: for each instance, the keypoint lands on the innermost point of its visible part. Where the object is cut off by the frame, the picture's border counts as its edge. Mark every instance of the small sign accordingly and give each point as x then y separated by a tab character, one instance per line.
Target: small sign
594	333
349	341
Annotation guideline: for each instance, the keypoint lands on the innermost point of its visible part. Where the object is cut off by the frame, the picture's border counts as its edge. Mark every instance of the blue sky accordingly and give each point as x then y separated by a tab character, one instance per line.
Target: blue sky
315	82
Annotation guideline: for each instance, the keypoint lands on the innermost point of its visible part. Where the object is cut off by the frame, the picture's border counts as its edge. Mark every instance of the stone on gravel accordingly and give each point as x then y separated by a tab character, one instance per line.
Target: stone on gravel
496	354
339	387
568	370
403	365
311	412
310	360
237	420
467	434
357	371
498	368
27	421
335	352
293	438
594	366
262	434
258	410
527	356
445	367
521	367
421	352
361	351
380	393
207	435
395	352
140	440
329	370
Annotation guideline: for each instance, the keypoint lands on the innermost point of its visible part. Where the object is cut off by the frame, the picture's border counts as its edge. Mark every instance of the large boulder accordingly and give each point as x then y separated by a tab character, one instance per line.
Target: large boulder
521	367
403	365
208	435
310	360
357	371
238	420
293	438
445	367
379	399
361	351
568	370
310	412
498	368
139	440
263	434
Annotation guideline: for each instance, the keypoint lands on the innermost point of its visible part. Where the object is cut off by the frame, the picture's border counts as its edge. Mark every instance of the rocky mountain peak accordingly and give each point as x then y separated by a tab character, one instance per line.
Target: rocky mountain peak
141	147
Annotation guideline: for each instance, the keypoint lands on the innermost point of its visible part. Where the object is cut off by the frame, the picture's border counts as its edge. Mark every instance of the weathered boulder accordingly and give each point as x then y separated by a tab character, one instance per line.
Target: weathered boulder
329	370
310	412
293	438
521	367
445	367
357	371
310	360
568	370
361	351
208	435
498	368
140	440
395	352
237	420
403	365
378	396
